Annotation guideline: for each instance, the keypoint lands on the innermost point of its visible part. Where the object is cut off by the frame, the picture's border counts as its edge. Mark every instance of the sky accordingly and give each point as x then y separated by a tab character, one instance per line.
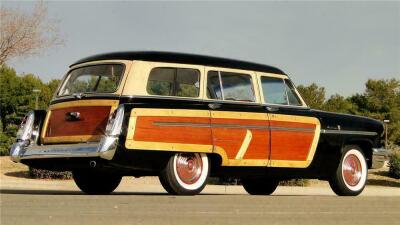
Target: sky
337	45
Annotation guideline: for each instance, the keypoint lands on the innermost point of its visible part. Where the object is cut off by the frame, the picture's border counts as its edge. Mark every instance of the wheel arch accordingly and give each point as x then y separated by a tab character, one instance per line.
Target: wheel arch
215	162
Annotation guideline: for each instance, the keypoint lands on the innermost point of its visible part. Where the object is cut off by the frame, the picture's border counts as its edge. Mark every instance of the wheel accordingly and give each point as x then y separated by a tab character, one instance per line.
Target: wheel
96	182
351	175
260	186
185	173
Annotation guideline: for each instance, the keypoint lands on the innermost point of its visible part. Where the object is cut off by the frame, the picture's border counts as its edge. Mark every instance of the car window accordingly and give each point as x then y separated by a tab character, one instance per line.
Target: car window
93	79
180	82
291	93
279	91
235	86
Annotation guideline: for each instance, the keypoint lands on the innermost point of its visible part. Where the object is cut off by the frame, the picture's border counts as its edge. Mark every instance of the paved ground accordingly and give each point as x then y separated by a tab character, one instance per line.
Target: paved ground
142	201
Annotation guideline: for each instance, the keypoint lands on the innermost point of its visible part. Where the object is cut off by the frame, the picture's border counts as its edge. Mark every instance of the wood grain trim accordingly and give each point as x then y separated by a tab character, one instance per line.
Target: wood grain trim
72	139
112	103
170	112
162	146
94	102
239	115
313	148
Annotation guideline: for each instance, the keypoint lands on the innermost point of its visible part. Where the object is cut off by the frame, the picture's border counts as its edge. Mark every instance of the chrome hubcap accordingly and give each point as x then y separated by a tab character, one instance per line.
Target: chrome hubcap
352	170
189	167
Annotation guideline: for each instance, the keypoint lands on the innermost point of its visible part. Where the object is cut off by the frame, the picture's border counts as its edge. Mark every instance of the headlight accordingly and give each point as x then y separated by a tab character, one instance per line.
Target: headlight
26	128
114	124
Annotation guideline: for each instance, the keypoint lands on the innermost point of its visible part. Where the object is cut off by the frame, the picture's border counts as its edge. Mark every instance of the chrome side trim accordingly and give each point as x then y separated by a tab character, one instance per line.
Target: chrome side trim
250	127
367	133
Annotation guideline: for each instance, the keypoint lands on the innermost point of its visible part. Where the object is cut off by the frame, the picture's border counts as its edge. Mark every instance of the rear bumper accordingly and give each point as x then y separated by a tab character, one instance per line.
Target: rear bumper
379	157
104	149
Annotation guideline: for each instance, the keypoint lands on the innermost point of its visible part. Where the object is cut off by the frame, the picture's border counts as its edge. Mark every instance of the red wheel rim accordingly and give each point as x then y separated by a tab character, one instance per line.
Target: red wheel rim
352	170
189	167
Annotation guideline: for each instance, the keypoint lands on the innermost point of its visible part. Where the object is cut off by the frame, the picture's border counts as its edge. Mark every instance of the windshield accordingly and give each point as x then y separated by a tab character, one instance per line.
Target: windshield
93	79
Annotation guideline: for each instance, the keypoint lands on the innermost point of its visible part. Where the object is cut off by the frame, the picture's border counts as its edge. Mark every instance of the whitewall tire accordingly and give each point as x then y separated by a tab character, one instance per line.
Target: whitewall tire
351	174
185	173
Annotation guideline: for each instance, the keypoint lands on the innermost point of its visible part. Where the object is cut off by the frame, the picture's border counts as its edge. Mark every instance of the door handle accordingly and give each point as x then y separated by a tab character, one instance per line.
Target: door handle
214	105
72	116
271	108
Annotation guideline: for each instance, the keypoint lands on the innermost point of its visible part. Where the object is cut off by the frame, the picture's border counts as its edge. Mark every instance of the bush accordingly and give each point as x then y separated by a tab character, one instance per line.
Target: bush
394	165
295	182
47	174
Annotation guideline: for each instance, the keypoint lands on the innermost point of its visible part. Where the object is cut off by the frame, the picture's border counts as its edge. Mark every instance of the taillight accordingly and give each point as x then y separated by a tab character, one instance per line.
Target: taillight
114	124
26	128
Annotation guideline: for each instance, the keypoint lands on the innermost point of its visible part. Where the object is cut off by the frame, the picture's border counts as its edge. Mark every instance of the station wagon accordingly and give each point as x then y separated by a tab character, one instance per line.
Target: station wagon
185	118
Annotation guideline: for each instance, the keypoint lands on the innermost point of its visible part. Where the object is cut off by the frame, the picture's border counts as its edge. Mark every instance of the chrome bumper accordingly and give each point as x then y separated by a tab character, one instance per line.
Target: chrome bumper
379	156
104	149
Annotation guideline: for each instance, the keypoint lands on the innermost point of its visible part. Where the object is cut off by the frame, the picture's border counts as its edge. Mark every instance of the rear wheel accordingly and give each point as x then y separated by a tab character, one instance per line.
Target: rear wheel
185	173
260	186
351	175
96	182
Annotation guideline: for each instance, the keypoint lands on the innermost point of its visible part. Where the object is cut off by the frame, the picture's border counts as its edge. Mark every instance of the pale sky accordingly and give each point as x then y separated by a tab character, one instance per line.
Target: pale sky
338	45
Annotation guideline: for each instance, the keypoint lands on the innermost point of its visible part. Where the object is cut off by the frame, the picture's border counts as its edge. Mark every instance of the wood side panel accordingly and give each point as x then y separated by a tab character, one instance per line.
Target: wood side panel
231	139
259	148
93	120
148	130
291	145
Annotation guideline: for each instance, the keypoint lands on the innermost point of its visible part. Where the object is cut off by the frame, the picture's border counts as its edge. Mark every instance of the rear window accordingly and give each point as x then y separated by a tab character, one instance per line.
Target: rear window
179	82
93	79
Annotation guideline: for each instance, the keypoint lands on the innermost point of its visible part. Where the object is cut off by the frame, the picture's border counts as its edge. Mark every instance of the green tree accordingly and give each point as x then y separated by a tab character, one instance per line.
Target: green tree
313	95
337	103
381	100
16	99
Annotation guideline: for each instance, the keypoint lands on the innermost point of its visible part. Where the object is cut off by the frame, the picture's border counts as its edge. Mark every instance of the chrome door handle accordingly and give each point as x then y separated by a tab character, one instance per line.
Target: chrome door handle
214	105
271	108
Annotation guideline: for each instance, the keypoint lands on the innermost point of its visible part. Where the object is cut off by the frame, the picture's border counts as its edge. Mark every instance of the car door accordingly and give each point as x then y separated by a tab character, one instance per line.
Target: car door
294	131
239	125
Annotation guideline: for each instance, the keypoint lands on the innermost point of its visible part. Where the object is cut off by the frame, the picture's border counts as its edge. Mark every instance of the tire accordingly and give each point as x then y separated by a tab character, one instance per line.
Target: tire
185	173
260	186
351	174
96	182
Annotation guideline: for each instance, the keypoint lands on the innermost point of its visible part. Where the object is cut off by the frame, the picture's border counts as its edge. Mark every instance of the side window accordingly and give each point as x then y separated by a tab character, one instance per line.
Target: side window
291	93
213	85
174	82
278	91
235	86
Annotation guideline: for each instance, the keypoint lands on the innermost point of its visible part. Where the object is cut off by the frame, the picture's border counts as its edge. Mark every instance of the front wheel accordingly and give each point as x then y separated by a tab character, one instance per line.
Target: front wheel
351	175
185	173
260	186
96	182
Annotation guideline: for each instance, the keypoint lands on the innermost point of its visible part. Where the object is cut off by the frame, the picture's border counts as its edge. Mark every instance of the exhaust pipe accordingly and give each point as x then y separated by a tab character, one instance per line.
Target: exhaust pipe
92	164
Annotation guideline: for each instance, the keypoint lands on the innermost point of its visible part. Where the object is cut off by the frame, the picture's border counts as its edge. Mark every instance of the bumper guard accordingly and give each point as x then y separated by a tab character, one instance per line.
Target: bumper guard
379	156
104	149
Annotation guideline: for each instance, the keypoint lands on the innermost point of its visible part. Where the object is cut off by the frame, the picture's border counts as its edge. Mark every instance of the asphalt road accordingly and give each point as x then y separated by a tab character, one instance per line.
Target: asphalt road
71	207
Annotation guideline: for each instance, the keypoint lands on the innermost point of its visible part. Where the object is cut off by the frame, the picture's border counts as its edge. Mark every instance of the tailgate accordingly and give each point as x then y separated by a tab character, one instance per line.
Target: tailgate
77	121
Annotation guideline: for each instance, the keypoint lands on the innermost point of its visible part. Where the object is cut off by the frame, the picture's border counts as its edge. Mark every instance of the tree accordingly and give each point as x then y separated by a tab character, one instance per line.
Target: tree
313	95
337	103
381	100
23	35
16	99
